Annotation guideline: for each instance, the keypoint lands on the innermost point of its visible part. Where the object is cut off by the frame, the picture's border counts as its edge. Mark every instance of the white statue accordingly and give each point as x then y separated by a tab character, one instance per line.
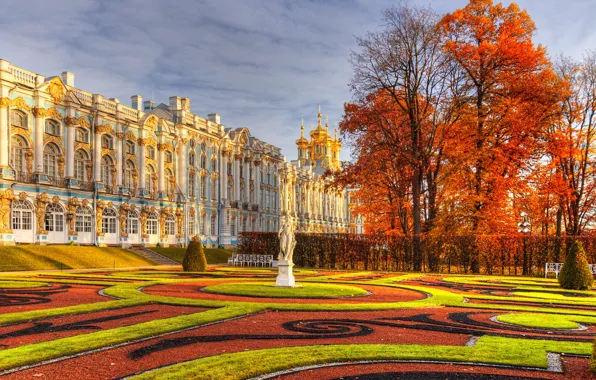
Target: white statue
287	242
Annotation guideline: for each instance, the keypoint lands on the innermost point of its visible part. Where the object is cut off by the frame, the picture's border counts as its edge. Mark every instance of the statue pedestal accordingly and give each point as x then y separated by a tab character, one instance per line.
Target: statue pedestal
285	278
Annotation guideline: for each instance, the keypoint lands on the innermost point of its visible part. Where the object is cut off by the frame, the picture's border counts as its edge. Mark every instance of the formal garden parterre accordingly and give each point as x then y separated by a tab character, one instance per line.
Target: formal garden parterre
231	323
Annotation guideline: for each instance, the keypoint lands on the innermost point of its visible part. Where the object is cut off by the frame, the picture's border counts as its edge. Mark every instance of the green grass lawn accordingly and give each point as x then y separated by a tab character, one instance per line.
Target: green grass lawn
37	257
214	255
306	290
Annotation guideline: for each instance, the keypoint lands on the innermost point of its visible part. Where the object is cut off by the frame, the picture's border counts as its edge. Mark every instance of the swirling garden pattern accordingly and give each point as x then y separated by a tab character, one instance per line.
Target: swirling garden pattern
151	324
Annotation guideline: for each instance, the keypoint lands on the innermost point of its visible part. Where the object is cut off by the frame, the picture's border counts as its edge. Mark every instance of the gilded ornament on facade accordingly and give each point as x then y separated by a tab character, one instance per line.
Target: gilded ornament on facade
71	208
40	204
179	221
6	198
4	102
38	112
84	122
20	104
53	113
131	136
122	215
151	122
22	195
71	121
61	162
99	207
56	90
104	128
82	145
145	211
120	135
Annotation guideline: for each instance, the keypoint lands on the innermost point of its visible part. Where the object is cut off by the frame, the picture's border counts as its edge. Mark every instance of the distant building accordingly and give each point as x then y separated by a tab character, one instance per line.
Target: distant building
78	167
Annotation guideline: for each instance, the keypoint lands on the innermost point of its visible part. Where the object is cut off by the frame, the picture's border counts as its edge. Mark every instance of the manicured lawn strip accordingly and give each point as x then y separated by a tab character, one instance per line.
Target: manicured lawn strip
546	301
23	316
546	321
213	255
340	275
391	280
242	365
37	257
35	353
268	289
9	284
64	281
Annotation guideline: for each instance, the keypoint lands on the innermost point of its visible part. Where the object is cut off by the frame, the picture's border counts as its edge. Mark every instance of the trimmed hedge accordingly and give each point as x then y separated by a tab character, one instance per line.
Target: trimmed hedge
194	259
498	255
576	273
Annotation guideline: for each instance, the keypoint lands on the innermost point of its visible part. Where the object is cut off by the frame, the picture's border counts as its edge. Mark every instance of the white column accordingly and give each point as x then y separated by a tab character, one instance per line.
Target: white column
4	137
236	179
257	182
119	161
181	167
70	145
223	175
39	129
160	170
141	164
247	181
97	157
308	208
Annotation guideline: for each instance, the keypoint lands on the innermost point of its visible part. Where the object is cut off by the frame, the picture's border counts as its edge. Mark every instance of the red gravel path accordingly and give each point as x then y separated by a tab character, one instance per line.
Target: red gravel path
70	295
575	368
192	290
150	312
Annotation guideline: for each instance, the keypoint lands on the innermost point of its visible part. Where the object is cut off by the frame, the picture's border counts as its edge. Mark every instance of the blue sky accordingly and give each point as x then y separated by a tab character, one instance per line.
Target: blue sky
259	64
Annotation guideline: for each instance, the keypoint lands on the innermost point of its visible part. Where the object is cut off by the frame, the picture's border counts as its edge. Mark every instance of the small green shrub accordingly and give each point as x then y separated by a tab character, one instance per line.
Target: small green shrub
194	259
576	273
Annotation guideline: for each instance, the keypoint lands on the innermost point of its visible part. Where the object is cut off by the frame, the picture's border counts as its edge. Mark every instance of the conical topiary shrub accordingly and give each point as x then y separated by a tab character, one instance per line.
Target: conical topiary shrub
576	273
194	258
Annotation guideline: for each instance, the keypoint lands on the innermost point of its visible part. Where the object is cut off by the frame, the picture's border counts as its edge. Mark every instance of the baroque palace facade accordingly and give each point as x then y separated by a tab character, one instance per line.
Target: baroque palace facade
77	167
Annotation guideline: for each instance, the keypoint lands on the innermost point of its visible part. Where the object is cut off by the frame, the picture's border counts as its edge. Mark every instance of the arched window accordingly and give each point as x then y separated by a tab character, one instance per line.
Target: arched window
130	147
149	172
152	224
168	156
108	221
18	119
54	218
170	225
50	160
229	168
83	219
82	135
132	223
213	188
213	224
106	169
107	142
18	147
230	189
192	159
150	152
80	165
213	165
203	161
169	181
22	215
129	172
192	184
52	128
203	187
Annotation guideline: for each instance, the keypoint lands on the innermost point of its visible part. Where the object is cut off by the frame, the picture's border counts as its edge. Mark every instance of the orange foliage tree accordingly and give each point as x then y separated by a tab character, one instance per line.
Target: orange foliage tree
511	93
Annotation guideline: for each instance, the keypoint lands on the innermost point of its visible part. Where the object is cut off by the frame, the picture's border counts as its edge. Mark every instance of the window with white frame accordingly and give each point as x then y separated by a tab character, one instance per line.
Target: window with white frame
191	224
213	224
192	159
170	225
52	128
150	152
203	187
80	165
106	169
54	218
192	184
233	227
132	222
22	215
108	221
107	142
169	181
168	156
130	147
50	160
149	172
18	119
82	135
152	224
18	148
204	225
213	165
213	188
129	173
83	219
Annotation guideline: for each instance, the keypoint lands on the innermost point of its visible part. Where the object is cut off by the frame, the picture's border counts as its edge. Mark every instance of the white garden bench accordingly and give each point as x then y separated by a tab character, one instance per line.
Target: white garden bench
241	260
556	268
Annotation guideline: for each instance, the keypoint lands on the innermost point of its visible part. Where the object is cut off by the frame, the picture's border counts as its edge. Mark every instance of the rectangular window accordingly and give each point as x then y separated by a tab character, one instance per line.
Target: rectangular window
233	227
132	226
152	226
170	227
213	225
16	220
108	225
191	225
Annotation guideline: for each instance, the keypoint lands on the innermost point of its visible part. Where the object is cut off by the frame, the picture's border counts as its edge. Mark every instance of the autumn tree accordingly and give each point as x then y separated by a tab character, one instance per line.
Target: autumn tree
509	97
406	62
572	144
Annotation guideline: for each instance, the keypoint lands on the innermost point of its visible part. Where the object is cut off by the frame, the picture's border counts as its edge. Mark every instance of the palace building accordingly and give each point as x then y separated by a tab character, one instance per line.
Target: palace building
77	167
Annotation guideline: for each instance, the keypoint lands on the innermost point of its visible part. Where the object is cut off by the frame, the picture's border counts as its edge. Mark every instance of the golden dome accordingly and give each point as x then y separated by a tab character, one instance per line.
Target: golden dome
302	142
318	133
